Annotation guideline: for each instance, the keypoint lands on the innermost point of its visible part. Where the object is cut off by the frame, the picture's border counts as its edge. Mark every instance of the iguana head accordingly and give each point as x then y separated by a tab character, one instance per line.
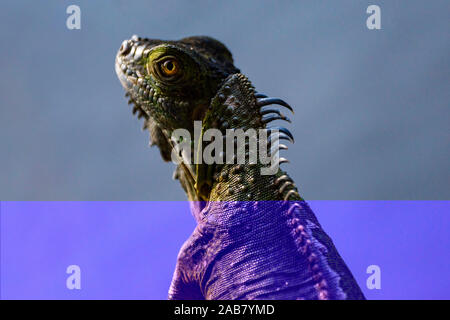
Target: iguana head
173	81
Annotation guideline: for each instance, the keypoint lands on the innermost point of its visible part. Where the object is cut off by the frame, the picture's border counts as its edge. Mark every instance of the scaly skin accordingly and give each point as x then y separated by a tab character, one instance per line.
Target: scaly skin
256	238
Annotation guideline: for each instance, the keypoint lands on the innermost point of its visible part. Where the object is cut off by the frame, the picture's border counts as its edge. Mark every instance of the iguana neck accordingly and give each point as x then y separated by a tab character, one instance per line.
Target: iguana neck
235	106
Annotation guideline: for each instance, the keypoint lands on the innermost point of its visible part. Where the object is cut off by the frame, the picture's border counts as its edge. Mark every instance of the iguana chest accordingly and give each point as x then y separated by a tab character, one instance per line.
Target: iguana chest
246	250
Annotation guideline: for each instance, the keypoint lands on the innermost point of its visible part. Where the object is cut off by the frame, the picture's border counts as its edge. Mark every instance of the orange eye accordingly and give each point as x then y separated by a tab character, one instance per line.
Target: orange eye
170	67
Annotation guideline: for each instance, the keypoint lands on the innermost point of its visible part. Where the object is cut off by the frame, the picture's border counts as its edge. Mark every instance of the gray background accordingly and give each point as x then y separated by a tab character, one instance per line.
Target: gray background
371	116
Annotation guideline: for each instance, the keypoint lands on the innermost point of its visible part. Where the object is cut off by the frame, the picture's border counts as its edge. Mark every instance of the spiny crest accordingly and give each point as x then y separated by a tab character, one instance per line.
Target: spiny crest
237	106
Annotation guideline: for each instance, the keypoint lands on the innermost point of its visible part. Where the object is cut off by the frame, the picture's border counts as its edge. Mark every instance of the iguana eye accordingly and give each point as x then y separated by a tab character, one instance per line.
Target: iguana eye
169	67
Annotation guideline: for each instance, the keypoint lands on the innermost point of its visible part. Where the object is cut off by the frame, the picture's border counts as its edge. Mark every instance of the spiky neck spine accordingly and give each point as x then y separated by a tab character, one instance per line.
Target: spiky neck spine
238	106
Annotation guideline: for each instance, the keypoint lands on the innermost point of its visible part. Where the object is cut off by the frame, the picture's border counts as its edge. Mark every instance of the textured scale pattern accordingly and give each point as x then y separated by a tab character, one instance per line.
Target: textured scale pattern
260	250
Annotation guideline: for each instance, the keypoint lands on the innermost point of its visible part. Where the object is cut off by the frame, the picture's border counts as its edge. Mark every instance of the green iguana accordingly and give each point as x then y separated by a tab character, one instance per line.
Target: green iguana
256	238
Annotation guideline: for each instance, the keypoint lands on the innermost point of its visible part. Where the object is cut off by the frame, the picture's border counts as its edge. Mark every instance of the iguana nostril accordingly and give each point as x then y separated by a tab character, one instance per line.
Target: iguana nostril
125	48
